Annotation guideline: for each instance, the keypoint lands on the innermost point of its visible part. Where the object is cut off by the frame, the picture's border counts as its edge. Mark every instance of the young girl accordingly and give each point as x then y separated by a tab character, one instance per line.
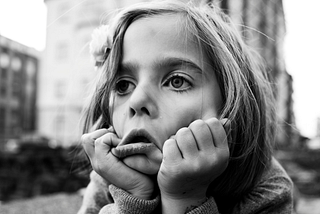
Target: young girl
181	120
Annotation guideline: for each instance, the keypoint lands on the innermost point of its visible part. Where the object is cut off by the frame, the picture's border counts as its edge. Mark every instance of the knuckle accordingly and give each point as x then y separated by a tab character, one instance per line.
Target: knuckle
96	143
184	134
183	131
102	139
168	142
213	122
197	165
197	123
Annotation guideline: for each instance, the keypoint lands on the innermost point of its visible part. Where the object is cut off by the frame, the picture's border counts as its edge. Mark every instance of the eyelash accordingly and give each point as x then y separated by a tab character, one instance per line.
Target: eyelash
117	87
185	80
167	83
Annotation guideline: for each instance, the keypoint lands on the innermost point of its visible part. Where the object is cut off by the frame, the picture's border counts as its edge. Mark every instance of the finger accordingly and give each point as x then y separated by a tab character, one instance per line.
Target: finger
106	142
218	133
145	158
202	135
88	146
87	141
142	164
105	163
171	151
226	123
186	143
111	129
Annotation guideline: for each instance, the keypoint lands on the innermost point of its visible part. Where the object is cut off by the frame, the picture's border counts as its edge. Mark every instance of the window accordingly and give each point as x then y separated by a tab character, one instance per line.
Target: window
4	60
31	68
14	117
16	63
2	119
3	73
3	89
16	84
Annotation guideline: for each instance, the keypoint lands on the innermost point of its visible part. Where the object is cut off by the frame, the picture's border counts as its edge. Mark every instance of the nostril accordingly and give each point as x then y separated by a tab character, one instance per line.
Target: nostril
132	112
141	111
145	111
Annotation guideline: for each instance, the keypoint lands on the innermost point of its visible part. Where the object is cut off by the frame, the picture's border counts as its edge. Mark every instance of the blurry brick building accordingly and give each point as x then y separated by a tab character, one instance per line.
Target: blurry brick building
262	24
18	85
67	70
66	74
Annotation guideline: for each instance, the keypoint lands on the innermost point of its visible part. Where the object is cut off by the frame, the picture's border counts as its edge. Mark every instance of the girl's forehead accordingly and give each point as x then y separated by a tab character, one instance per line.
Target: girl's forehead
171	25
149	39
165	29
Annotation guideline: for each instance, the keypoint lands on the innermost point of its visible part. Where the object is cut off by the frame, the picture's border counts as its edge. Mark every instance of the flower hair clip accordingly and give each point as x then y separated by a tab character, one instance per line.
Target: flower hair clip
100	44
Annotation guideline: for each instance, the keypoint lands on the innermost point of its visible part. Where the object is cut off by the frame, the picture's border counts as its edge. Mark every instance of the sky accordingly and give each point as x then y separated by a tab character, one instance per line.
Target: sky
25	21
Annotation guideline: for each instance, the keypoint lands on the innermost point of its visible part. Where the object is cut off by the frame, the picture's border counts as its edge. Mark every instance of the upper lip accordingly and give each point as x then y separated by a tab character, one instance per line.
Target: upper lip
137	136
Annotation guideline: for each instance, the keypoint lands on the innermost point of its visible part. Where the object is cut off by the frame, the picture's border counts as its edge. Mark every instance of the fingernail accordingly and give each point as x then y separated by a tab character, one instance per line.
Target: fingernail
111	129
225	121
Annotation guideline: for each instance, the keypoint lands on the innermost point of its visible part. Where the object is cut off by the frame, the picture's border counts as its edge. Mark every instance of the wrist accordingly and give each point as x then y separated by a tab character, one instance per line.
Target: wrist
181	204
145	192
145	195
127	201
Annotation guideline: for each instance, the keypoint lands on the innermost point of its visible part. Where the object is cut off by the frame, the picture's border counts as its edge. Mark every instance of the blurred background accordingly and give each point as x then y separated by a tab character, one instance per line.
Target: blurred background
45	77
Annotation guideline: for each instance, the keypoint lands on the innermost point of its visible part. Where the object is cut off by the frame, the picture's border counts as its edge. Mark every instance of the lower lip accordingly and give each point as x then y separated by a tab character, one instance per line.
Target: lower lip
132	149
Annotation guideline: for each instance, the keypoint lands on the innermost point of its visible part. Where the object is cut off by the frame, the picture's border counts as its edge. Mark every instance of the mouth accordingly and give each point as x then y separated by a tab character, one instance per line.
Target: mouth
138	141
137	136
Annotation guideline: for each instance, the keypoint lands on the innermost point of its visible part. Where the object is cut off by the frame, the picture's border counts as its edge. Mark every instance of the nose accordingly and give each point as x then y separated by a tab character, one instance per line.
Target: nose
143	102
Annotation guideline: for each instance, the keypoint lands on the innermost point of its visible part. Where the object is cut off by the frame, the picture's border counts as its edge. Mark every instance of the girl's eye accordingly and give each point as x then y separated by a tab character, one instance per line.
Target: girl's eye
124	87
178	83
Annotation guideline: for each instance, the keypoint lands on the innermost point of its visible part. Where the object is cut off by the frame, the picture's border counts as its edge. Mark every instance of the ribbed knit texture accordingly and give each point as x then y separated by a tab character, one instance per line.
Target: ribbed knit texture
272	195
126	203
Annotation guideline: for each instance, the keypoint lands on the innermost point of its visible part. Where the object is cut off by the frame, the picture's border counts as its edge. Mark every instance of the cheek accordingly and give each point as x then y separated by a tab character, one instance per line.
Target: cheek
210	108
183	113
118	119
118	116
194	108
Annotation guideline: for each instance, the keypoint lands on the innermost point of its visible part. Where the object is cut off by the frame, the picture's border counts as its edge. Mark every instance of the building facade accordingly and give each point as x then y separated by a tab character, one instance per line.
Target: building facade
262	24
67	71
19	67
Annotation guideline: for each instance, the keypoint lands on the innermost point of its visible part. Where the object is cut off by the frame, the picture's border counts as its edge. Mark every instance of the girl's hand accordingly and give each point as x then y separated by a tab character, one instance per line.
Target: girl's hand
98	145
192	159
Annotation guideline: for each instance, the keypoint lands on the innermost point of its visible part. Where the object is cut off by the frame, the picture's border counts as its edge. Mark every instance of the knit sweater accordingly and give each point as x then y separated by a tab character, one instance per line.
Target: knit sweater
272	194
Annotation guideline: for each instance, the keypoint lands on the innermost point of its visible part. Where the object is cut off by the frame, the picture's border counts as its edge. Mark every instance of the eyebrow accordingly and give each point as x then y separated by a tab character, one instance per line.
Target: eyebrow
164	62
175	61
128	67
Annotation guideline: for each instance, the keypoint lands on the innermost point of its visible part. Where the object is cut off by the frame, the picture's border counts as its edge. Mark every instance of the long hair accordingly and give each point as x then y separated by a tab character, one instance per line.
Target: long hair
246	93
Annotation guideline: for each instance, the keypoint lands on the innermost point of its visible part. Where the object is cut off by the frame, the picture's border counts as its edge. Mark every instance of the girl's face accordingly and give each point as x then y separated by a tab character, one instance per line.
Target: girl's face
164	82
